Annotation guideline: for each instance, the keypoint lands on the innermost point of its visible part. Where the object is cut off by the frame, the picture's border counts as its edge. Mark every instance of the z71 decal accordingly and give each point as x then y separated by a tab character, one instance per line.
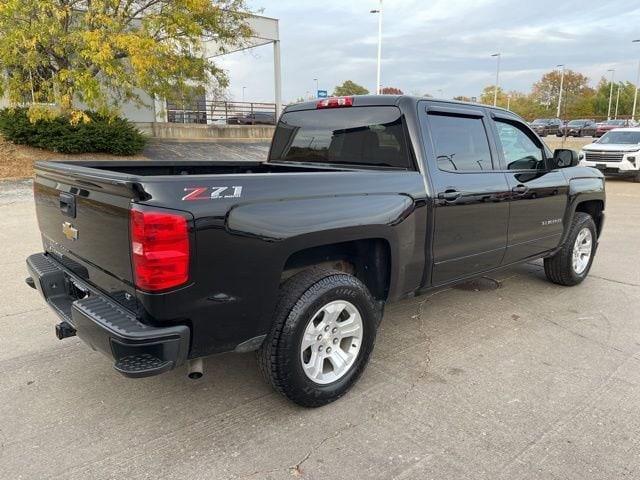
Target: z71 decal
211	193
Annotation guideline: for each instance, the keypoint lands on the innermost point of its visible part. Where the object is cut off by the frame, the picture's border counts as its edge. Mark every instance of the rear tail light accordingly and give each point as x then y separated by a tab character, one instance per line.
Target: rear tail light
335	102
159	249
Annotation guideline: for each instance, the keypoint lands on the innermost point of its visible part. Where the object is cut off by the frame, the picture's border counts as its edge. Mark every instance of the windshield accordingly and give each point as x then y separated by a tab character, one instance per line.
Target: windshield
620	123
540	121
576	123
621	137
350	136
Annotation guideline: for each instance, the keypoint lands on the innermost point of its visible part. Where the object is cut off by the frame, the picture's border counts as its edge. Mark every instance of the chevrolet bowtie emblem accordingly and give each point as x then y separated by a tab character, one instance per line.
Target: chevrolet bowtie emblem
69	231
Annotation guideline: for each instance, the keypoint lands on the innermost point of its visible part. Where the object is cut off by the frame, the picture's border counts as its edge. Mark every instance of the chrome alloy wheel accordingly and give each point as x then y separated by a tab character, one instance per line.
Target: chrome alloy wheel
331	342
582	250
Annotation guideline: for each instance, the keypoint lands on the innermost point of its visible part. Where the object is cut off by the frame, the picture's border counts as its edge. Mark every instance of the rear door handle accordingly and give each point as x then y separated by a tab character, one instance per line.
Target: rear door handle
449	195
520	189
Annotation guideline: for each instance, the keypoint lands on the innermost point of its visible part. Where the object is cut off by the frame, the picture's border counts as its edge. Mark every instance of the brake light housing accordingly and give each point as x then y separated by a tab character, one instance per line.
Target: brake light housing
160	249
335	102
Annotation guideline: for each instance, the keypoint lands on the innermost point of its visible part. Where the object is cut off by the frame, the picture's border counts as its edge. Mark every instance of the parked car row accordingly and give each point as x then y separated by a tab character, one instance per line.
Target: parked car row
604	127
577	128
256	118
546	126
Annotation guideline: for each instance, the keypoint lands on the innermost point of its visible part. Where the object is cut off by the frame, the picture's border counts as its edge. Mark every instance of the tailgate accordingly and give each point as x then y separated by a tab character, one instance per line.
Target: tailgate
85	225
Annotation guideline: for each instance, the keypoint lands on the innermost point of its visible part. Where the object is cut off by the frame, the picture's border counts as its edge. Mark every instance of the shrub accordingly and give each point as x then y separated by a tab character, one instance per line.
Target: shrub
87	132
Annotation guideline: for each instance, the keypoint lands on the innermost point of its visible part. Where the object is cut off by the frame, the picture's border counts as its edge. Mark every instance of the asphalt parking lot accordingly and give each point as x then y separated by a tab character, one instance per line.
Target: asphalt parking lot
526	381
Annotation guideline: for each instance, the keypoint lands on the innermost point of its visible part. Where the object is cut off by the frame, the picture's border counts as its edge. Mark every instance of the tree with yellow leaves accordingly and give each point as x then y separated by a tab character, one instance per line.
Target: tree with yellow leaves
101	53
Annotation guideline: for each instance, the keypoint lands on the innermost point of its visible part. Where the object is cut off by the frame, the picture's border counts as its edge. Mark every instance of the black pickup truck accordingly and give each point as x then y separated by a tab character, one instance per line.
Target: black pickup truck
362	201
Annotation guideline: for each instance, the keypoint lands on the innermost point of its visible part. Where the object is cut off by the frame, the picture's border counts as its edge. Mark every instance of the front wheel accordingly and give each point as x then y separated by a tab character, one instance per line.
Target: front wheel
323	333
571	264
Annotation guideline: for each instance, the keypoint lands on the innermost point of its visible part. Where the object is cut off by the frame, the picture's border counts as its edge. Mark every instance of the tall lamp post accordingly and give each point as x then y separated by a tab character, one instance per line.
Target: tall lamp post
617	103
561	85
613	72
243	89
495	89
317	88
379	12
635	95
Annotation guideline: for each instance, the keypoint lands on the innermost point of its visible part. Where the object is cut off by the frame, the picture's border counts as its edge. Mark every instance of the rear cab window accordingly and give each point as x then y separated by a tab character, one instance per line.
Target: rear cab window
373	136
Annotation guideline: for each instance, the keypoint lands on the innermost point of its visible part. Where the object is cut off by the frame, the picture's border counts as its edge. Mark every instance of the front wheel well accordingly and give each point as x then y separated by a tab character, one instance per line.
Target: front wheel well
593	208
368	260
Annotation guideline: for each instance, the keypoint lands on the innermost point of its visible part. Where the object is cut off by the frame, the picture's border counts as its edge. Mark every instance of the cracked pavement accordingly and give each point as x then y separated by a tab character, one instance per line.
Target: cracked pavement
526	381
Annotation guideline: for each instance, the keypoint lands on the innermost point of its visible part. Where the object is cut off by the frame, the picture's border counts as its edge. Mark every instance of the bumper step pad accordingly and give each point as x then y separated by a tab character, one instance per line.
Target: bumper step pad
142	365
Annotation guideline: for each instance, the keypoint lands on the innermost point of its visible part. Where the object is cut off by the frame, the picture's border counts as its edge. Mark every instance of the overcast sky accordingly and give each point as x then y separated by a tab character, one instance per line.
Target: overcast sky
434	45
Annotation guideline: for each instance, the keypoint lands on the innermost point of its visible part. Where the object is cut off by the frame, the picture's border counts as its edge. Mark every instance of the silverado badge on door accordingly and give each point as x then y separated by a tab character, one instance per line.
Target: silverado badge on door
69	231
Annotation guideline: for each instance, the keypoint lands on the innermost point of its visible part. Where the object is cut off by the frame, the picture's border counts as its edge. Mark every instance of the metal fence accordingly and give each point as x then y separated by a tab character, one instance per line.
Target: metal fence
212	112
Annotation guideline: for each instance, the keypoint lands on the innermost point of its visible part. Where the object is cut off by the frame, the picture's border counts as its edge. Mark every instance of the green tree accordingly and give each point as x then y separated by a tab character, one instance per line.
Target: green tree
601	98
100	53
576	94
487	95
349	88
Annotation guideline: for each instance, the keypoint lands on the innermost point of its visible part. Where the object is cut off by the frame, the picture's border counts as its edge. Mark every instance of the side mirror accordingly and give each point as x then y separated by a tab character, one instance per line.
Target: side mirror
563	157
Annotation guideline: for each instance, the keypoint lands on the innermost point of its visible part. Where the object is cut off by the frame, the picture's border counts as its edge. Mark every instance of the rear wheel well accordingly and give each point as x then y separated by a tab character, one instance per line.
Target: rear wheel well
368	260
593	208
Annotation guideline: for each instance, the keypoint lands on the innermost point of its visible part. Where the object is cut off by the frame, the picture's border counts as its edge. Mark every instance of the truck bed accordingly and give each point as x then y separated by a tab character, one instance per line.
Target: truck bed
146	168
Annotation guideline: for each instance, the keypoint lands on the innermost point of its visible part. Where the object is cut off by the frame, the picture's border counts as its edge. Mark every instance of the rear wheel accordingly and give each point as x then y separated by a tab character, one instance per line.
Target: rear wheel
571	264
323	333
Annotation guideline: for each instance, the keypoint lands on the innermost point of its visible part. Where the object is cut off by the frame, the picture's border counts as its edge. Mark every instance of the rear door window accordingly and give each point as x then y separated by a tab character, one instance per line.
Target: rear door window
373	136
461	143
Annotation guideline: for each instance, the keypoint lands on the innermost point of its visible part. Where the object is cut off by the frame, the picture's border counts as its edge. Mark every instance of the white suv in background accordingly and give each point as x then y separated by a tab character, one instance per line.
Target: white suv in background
617	153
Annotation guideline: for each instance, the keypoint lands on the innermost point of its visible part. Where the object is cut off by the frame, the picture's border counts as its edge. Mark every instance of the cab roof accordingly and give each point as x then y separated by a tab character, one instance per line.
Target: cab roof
388	100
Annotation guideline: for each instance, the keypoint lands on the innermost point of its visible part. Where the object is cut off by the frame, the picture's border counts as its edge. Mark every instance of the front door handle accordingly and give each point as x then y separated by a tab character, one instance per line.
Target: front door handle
449	195
520	189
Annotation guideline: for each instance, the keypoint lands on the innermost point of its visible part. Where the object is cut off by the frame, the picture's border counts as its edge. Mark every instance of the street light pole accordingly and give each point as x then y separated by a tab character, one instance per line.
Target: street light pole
495	89
635	94
317	88
617	102
613	71
379	12
243	89
561	85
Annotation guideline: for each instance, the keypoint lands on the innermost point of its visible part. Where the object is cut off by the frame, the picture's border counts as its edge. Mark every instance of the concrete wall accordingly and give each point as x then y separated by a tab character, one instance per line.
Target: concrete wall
191	131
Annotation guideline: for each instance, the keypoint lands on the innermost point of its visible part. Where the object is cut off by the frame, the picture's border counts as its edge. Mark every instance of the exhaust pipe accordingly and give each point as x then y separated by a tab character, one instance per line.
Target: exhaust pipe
194	369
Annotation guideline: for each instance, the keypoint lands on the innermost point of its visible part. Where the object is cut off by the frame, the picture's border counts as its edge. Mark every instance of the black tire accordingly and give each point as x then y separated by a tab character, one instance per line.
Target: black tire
301	296
559	268
636	179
